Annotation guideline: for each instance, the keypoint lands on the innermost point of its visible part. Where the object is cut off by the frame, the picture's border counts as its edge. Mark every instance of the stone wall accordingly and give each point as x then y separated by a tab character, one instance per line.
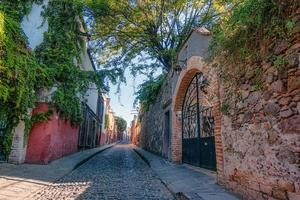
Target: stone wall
261	133
152	122
257	139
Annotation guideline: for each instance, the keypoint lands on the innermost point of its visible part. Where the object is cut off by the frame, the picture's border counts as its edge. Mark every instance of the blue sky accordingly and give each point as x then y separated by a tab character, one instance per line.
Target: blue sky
122	103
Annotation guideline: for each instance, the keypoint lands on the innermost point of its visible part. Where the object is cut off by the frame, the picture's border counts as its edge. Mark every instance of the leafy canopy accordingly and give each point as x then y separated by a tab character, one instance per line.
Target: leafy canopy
143	34
121	124
148	91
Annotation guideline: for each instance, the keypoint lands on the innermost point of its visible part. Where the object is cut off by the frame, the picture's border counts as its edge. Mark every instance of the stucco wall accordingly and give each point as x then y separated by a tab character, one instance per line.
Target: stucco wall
92	94
51	139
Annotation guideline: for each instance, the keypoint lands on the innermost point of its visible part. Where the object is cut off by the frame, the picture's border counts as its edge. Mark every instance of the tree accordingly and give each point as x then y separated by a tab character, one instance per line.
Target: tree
148	91
121	124
143	34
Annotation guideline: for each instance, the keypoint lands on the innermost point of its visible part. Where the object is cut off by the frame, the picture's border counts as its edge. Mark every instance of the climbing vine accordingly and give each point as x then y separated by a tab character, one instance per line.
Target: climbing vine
61	53
245	39
148	91
55	64
18	69
246	35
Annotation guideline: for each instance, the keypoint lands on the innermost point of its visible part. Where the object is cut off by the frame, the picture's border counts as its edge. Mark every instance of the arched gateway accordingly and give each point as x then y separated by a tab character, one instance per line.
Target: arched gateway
198	142
196	117
196	129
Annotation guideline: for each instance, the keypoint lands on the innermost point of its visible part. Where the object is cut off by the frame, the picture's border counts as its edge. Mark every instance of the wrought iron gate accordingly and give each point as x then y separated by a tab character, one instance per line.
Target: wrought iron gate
90	130
198	143
2	136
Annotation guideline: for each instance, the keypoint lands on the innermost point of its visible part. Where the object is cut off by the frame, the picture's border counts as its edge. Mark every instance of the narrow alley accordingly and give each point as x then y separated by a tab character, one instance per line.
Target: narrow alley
149	100
117	173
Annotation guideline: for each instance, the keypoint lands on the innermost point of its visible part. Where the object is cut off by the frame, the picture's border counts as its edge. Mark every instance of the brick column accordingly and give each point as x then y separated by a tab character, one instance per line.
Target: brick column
217	132
176	139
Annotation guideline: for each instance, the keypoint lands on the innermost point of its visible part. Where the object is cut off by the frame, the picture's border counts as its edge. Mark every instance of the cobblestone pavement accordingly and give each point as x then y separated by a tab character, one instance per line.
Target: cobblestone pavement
117	173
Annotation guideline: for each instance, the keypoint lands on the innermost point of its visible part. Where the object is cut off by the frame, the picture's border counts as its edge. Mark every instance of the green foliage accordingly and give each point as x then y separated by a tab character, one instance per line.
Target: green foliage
121	124
106	121
62	44
225	108
246	35
18	69
144	35
279	62
248	23
148	91
55	64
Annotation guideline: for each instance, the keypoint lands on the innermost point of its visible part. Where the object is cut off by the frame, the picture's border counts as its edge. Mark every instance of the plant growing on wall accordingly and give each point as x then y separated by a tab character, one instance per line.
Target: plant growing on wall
55	63
246	36
248	25
148	91
19	71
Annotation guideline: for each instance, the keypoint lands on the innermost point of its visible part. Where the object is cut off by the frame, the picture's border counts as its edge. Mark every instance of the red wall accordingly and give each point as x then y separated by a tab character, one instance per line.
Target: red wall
103	139
51	139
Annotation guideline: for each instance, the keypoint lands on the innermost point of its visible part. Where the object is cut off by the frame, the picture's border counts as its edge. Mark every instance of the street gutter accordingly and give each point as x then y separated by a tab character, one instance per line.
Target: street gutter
91	156
176	195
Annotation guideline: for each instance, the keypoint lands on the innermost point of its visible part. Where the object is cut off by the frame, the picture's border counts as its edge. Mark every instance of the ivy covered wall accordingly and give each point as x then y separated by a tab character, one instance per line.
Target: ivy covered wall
55	63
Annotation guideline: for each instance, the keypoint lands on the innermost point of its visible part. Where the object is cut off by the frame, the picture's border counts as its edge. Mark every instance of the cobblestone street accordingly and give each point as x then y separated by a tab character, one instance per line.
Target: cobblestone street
117	173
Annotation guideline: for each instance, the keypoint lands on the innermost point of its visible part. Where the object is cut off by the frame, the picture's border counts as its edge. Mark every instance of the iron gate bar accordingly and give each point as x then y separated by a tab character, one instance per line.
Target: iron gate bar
198	111
89	129
197	126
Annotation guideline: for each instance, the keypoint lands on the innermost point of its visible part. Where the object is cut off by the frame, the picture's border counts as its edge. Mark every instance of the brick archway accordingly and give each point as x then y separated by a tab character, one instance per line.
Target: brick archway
184	79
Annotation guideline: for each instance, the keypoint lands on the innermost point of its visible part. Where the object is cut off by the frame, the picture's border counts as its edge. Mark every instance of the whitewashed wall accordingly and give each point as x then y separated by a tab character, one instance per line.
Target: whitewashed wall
92	93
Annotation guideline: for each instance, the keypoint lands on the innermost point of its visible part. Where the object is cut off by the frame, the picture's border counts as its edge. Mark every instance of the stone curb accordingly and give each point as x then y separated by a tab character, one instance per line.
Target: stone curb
91	156
176	195
183	182
142	156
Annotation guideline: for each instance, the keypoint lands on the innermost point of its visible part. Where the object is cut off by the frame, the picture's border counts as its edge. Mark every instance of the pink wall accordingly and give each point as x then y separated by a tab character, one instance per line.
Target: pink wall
51	139
103	139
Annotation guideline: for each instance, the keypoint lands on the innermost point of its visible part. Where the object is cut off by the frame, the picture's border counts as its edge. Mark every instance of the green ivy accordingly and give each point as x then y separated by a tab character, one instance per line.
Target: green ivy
248	24
148	91
54	64
18	69
63	43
